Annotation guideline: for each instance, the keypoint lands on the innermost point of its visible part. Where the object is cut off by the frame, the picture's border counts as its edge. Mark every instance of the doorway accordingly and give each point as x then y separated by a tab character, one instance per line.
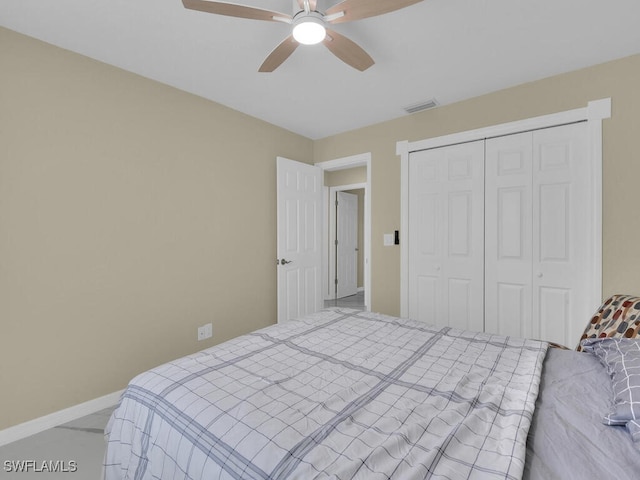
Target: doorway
350	175
346	247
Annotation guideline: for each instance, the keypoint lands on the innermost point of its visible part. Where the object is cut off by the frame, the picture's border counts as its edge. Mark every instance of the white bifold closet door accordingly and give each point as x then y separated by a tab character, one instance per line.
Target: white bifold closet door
537	227
498	234
446	236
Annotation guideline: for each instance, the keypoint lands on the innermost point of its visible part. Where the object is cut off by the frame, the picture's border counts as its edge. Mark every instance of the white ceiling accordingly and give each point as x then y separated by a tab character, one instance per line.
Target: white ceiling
444	49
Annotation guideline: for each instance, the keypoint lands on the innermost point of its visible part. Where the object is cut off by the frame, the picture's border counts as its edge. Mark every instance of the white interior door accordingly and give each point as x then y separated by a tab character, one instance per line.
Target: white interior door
299	256
446	236
346	244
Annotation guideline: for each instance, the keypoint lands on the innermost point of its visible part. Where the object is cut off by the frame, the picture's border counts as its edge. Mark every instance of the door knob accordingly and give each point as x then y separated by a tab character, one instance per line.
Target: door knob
284	262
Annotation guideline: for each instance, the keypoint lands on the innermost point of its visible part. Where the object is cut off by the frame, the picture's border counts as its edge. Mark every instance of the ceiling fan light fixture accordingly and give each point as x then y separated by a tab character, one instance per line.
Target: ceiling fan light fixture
309	26
309	30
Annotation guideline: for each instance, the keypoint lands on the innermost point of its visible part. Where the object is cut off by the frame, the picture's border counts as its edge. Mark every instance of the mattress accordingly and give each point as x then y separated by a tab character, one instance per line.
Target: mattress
340	394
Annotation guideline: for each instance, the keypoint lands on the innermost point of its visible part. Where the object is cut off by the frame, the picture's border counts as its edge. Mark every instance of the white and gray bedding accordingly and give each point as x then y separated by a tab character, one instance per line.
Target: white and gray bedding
341	395
621	358
568	439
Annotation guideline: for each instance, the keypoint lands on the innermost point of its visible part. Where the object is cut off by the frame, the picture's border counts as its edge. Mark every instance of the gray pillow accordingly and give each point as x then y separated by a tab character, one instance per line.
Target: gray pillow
621	357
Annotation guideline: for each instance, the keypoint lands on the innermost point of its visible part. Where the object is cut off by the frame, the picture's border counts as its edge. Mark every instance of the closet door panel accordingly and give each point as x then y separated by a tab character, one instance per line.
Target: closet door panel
459	221
512	316
425	237
511	212
508	217
554	212
446	236
554	305
460	308
464	255
428	297
561	196
428	209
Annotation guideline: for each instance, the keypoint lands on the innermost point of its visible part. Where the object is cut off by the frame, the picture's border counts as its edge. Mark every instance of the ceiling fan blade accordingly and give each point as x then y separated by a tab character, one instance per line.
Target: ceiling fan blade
358	9
347	51
233	10
279	55
312	4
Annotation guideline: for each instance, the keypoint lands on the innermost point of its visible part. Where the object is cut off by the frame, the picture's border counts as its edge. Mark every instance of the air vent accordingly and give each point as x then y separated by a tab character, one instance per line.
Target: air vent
418	107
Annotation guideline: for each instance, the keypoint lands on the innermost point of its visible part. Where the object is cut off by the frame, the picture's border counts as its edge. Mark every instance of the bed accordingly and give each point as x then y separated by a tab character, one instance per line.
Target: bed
345	394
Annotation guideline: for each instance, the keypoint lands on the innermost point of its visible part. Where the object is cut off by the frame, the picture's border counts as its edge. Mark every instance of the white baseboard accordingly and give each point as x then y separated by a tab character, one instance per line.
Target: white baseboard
54	419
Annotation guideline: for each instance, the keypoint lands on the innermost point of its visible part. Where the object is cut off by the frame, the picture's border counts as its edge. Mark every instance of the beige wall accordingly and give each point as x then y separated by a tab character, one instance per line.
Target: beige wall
130	214
346	176
619	80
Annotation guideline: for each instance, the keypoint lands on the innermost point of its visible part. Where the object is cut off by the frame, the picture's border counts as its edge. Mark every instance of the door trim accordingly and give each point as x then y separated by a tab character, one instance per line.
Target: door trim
360	160
594	113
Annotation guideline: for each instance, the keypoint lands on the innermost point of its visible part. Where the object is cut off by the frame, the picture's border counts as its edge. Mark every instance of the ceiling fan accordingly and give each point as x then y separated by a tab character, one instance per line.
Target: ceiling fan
310	26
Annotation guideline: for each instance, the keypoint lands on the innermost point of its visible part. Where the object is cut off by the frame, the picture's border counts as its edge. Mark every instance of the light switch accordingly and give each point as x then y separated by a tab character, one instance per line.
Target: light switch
388	239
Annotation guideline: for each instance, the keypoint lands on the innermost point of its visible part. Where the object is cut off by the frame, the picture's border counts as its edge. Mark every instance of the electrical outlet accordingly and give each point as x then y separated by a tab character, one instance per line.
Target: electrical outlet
206	331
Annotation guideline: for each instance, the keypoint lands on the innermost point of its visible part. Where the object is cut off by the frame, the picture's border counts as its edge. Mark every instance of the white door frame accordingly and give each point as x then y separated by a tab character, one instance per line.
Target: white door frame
360	160
594	113
329	290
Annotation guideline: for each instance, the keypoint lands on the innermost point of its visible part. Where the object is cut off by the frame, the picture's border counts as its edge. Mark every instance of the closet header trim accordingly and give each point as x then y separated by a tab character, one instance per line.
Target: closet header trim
595	110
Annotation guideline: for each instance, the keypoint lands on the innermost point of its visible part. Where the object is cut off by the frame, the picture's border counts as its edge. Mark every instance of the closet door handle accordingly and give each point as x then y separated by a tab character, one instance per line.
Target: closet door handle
284	262
540	275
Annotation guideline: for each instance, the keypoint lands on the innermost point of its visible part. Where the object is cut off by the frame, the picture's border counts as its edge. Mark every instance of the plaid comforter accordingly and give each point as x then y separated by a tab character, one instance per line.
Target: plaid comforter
340	394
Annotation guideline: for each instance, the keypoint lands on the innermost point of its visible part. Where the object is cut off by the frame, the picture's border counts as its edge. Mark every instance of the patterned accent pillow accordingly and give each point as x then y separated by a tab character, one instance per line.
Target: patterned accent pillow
621	357
619	316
